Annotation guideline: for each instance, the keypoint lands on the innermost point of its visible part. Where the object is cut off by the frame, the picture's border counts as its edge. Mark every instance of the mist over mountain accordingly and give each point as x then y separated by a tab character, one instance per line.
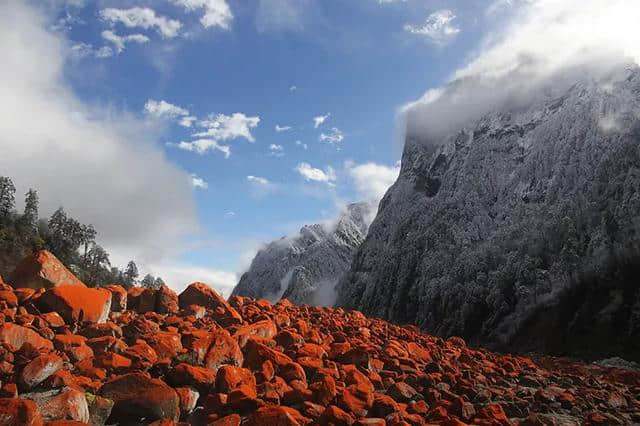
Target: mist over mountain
305	268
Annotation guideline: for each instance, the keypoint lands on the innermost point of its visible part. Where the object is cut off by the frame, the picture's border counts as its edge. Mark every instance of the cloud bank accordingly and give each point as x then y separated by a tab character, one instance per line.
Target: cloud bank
102	165
539	52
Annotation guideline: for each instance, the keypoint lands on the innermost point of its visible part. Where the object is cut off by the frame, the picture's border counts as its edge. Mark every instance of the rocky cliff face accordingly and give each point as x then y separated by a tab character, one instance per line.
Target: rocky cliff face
519	229
306	268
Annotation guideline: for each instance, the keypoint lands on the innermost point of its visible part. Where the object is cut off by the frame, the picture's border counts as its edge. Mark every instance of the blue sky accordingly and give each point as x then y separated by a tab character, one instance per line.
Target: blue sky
276	112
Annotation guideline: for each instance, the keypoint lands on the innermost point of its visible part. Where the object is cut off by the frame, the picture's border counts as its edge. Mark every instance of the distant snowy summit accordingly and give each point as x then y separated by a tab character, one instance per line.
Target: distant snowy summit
305	268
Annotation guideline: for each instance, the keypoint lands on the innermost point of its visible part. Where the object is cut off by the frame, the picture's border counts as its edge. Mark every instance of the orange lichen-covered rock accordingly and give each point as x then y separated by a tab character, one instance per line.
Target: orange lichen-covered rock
166	301
16	336
75	303
200	294
356	399
265	328
141	299
37	371
334	416
61	404
188	375
271	364
138	396
276	416
17	411
230	378
118	297
9	298
42	270
224	350
492	414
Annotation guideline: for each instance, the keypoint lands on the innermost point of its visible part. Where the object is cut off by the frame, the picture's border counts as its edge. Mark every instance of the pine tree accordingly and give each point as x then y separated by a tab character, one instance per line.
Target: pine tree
7	197
158	283
30	216
148	281
130	274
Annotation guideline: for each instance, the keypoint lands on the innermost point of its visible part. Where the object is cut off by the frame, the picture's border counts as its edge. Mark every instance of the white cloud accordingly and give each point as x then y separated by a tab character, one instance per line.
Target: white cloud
260	186
541	51
372	180
258	180
335	136
202	146
283	15
227	127
302	145
293	88
439	27
312	174
83	50
101	164
179	275
187	121
142	17
319	120
120	41
276	150
217	13
164	109
198	182
280	129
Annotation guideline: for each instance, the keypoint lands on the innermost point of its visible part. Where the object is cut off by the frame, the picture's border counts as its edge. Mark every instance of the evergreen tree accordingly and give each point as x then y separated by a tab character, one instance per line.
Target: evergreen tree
87	236
148	281
130	274
30	216
7	197
97	264
158	283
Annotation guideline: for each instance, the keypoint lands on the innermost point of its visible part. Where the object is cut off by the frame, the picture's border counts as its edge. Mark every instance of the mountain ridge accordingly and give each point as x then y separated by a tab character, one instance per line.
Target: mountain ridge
501	216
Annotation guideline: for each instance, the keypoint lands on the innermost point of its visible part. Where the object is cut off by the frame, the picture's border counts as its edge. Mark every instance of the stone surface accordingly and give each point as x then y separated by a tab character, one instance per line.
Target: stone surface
19	411
138	396
42	270
76	303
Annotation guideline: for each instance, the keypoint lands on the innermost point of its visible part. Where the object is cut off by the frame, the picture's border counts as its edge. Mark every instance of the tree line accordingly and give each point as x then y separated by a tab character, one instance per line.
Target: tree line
72	242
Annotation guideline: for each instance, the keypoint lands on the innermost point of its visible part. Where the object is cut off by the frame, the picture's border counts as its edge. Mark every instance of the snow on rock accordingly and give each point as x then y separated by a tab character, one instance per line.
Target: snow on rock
305	268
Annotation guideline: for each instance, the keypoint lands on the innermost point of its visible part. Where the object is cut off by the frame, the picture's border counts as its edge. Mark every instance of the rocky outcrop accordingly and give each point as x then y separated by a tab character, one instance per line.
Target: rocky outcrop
306	268
518	230
42	270
286	365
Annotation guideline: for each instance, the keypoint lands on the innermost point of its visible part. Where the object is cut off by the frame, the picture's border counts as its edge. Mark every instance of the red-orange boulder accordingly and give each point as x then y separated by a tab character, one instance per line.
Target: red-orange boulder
16	336
276	416
224	350
200	294
42	270
75	303
17	411
37	371
118	297
138	396
166	301
230	378
200	378
265	328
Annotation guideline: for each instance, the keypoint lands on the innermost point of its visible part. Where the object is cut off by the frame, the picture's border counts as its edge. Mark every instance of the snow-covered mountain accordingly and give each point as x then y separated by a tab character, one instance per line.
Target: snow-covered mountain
518	229
305	268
